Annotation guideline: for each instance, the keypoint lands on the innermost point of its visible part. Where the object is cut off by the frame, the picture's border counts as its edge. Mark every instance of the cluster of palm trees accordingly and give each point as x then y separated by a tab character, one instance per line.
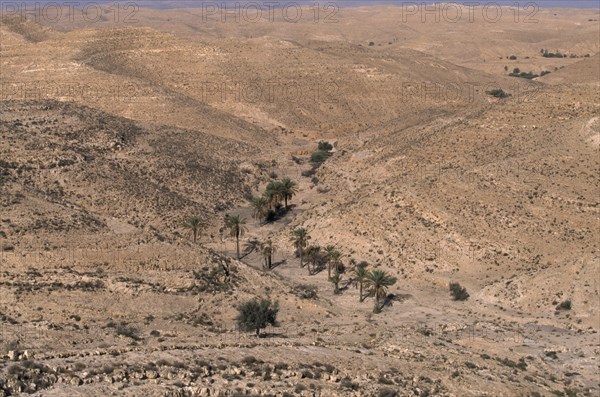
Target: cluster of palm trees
270	203
370	283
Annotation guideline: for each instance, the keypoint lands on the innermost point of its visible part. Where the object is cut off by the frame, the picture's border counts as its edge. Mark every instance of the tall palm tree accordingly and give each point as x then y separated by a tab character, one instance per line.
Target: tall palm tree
313	254
267	250
193	224
260	208
333	260
237	227
361	274
378	282
273	193
288	190
329	250
300	239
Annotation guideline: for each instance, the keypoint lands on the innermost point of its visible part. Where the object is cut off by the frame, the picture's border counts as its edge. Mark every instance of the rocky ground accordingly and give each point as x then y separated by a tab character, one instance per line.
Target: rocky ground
102	291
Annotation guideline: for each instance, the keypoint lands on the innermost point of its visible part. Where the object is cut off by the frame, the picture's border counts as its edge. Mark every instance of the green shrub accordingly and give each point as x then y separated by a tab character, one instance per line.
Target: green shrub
458	293
566	305
255	315
498	93
319	157
325	146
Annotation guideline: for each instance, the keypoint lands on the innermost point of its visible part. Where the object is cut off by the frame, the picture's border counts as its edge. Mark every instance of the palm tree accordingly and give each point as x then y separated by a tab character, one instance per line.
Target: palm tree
273	193
193	225
333	259
260	208
236	225
313	254
267	249
300	239
378	282
361	275
335	280
288	190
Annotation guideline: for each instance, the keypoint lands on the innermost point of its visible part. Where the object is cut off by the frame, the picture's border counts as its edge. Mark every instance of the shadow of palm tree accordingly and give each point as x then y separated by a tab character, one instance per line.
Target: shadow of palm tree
275	264
249	247
391	298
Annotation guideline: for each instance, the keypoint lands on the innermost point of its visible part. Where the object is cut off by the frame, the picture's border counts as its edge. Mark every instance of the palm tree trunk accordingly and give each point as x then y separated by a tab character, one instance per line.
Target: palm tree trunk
360	292
237	245
286	202
270	262
257	332
301	257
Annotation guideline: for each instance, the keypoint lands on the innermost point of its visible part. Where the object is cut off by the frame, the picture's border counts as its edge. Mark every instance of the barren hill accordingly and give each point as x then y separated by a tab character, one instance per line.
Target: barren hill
443	168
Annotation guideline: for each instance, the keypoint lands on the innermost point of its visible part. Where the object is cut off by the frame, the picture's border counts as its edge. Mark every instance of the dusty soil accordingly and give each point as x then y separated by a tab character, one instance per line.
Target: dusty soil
113	133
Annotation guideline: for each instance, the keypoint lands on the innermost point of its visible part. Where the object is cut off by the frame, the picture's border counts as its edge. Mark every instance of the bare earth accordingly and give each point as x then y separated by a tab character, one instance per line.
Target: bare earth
112	133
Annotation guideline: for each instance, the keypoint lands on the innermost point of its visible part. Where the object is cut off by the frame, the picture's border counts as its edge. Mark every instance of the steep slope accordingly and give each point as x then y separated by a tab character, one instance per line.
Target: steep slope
504	200
68	169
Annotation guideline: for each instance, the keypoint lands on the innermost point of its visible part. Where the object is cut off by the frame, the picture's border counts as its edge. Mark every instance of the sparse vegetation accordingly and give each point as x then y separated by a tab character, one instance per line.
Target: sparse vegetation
267	250
193	225
361	275
237	228
255	315
458	292
564	305
498	93
300	238
525	75
378	283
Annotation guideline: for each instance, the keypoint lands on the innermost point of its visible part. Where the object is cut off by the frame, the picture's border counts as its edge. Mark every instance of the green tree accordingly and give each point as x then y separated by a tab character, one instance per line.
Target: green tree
330	249
193	224
458	292
335	280
288	190
378	282
267	250
333	260
361	274
274	193
237	227
325	146
254	315
313	256
319	157
300	238
260	208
